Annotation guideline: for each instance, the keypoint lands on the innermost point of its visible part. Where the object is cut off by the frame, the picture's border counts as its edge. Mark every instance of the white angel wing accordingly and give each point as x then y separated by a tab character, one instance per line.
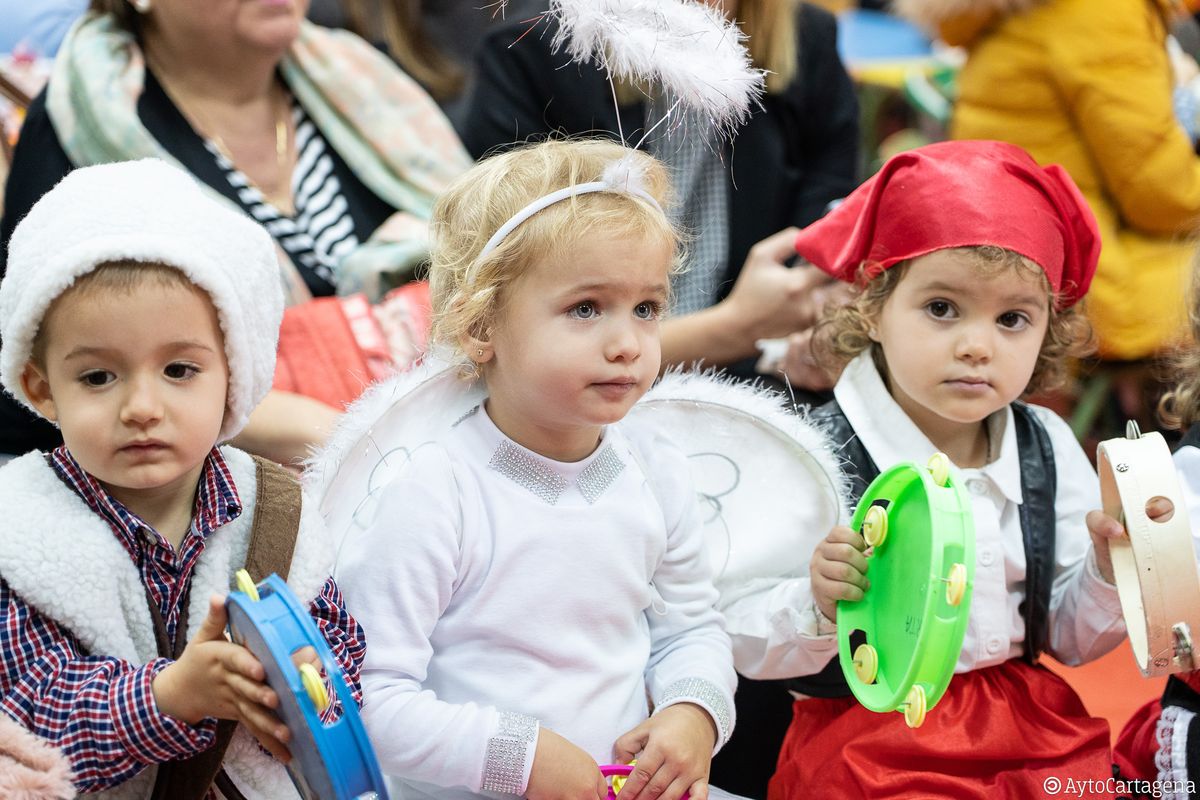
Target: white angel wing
768	481
377	437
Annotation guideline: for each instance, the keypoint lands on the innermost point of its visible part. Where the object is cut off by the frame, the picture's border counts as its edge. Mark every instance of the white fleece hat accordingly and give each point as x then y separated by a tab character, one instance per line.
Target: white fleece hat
146	211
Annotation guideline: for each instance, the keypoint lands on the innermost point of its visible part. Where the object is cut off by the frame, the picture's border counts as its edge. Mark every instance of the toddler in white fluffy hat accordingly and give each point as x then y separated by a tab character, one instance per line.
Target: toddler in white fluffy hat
141	317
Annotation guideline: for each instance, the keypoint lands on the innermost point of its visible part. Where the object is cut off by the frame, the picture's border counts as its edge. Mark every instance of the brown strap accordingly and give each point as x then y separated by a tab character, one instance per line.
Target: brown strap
227	787
189	778
276	521
272	541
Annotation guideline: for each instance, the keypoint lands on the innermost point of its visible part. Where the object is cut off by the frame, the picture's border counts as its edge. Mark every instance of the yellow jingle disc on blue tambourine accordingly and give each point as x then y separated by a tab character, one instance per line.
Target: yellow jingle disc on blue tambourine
331	760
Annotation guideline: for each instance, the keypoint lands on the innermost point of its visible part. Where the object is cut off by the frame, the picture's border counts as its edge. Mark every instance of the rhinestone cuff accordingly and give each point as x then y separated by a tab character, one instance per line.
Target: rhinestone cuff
704	694
507	751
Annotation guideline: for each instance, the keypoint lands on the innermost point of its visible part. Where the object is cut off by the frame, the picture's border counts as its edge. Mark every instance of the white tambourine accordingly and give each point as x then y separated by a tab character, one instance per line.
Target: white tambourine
1155	565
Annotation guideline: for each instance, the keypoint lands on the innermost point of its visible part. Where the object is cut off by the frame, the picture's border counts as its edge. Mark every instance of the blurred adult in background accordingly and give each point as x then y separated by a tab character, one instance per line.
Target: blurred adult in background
313	133
434	41
791	158
1088	84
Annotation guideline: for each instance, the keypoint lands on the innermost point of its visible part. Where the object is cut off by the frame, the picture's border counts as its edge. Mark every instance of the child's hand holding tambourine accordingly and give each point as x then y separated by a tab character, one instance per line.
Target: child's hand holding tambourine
1153	562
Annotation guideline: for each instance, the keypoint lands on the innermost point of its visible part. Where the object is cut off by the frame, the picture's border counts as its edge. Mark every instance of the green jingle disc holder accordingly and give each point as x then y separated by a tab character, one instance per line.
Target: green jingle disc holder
898	645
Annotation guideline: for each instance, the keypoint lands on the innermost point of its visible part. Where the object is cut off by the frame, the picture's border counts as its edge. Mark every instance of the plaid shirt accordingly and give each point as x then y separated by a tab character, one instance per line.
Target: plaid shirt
100	710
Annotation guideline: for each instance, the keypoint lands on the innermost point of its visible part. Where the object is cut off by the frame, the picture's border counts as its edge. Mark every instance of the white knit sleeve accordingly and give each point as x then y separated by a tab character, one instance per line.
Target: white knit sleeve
690	656
398	578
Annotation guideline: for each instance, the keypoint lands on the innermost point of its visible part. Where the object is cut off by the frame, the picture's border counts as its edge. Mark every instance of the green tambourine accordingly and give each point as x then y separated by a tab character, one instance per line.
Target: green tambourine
899	644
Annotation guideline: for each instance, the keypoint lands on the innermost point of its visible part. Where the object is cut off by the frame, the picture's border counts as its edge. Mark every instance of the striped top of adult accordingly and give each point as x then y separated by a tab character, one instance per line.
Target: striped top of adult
320	233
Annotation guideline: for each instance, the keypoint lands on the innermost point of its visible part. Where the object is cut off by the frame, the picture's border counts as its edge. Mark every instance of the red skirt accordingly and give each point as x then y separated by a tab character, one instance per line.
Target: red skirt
1003	732
1138	743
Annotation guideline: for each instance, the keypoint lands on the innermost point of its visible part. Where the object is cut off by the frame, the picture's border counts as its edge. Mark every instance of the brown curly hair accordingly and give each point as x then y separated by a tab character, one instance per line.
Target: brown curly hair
844	332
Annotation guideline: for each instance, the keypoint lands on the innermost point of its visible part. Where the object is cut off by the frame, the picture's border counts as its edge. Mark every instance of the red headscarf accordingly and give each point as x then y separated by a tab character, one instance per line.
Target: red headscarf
960	194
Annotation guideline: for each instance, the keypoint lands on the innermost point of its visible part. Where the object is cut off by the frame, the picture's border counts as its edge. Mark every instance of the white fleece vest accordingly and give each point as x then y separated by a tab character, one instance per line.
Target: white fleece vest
64	560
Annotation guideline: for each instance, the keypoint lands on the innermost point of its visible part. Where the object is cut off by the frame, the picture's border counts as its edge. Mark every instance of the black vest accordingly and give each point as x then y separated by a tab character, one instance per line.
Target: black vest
1038	489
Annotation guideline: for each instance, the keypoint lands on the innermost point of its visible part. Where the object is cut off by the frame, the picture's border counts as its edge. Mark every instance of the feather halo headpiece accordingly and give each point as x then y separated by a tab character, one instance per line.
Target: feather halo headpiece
683	48
686	48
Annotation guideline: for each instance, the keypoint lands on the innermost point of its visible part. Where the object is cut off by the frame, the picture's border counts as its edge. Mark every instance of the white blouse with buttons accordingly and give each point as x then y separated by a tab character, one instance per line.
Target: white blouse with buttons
1085	611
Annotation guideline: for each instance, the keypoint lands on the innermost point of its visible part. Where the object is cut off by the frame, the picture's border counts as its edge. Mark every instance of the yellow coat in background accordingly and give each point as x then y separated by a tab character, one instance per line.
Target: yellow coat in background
1087	84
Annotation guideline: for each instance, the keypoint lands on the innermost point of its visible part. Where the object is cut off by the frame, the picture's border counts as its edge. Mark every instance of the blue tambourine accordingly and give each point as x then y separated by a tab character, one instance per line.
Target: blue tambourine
331	761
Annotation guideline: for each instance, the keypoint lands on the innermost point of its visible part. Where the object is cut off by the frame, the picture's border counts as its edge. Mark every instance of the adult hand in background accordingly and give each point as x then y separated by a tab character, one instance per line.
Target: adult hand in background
801	364
770	300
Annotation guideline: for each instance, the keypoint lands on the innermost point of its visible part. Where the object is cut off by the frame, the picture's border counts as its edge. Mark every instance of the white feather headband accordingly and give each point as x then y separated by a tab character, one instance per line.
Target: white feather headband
623	176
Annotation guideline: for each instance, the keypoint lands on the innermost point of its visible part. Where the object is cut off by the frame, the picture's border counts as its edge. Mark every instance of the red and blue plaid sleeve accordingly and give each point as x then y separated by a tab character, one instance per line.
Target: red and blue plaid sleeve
99	711
345	638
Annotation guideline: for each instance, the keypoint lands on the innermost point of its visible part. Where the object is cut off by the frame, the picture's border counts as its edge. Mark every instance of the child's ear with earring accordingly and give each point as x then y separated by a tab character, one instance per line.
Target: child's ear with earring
478	350
477	344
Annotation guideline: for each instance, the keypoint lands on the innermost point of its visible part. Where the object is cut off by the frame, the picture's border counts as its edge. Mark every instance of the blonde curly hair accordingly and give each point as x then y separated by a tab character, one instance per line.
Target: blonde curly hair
1180	406
844	332
468	289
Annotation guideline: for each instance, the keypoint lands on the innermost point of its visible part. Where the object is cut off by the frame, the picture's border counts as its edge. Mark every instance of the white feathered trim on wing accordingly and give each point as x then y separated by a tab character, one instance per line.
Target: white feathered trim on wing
765	404
377	437
354	426
768	484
